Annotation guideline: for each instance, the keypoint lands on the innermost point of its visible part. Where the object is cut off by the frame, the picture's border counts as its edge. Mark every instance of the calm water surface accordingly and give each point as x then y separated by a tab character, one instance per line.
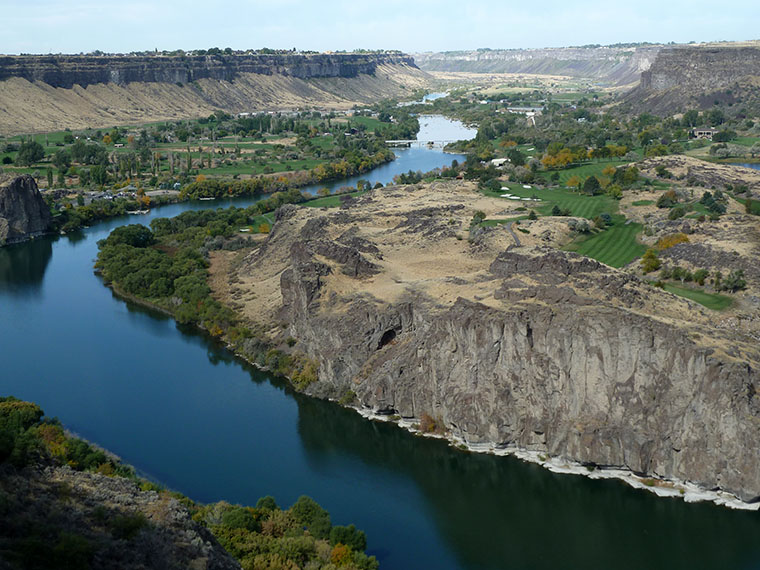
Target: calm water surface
184	412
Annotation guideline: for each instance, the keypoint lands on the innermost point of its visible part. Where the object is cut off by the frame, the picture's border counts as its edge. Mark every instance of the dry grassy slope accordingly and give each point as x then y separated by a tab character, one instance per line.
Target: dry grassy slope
37	107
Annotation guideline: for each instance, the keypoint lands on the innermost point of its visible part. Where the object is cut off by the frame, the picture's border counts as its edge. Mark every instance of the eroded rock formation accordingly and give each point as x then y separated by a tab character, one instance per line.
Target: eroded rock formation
23	212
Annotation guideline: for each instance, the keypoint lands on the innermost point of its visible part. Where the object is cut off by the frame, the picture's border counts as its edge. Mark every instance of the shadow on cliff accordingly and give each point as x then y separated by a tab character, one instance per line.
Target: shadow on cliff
498	510
23	265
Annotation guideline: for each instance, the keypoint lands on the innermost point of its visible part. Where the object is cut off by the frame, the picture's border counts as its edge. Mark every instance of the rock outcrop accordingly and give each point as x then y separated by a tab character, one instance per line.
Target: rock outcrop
530	346
23	212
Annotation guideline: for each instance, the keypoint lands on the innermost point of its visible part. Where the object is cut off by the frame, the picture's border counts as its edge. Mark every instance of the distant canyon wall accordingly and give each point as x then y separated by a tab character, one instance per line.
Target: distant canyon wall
48	93
613	65
696	77
66	71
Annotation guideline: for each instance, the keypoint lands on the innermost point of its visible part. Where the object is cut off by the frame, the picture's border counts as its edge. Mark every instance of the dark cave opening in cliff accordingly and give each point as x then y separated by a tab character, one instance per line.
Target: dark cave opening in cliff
388	337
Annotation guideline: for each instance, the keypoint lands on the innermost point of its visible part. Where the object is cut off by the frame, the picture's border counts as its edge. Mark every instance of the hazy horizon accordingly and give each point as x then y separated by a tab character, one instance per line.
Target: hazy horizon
84	26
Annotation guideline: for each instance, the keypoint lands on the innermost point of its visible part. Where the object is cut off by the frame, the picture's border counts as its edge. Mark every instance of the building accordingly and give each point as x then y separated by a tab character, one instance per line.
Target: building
703	133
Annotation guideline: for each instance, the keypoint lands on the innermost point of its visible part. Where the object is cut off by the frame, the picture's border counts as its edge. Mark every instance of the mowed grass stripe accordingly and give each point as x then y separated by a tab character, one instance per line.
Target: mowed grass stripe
617	246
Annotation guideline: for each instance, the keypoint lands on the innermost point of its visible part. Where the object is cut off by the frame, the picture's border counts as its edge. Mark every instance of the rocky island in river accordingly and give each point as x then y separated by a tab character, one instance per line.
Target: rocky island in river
490	341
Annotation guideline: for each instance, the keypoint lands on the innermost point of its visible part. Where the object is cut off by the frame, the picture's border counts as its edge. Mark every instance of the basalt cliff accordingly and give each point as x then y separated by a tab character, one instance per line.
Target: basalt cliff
613	65
57	91
698	77
23	212
411	314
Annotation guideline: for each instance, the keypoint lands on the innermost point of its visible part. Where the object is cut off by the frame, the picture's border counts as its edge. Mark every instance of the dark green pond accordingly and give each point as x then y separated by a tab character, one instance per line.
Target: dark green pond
179	408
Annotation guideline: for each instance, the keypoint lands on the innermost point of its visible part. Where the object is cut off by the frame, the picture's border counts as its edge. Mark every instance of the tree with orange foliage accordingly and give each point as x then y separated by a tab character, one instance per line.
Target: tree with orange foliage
340	555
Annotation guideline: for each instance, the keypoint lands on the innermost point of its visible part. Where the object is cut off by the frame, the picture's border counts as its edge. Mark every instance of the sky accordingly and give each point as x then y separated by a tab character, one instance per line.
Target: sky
75	26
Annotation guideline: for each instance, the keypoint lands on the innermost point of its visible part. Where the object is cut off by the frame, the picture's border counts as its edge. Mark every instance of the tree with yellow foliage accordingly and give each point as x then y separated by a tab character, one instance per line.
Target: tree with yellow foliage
574	182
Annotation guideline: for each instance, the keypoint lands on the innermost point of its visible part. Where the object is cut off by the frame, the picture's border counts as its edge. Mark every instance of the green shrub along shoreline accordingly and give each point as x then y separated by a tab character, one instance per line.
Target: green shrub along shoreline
262	536
166	267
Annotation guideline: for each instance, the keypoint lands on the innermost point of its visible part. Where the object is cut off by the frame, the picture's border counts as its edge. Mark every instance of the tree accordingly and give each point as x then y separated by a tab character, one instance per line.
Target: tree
717	117
650	262
532	215
30	152
99	174
49	177
734	281
690	118
316	519
591	186
573	182
478	217
62	159
516	157
349	535
135	235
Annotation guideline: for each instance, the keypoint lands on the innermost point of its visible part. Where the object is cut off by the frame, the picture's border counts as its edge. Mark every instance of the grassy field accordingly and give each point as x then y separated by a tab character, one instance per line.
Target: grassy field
643	203
746	141
369	122
616	246
490	223
585	170
580	205
710	300
329	201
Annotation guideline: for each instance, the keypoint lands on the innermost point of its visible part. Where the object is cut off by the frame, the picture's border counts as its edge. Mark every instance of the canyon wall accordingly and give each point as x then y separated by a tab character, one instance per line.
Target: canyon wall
50	93
698	77
612	65
66	71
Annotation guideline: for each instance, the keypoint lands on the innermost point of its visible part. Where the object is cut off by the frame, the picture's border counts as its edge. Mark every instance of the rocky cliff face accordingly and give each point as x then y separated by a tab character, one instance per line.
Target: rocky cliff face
531	347
47	93
616	65
68	70
23	212
697	76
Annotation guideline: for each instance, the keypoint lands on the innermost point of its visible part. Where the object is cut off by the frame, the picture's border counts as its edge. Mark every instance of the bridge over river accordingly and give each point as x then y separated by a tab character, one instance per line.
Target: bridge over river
406	143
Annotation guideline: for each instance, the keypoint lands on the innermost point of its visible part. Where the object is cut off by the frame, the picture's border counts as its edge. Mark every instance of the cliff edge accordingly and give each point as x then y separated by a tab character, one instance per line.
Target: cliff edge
49	93
23	212
698	77
514	346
